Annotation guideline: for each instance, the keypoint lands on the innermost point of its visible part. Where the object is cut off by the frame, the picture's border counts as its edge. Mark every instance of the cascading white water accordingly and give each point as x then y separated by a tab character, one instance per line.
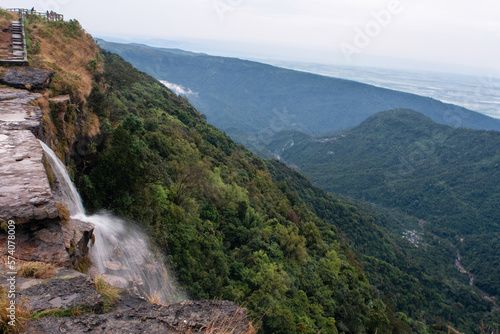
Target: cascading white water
121	250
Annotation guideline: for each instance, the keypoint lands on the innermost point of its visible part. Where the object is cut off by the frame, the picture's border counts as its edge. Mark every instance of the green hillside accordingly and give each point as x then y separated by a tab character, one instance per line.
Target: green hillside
403	160
252	101
228	229
411	278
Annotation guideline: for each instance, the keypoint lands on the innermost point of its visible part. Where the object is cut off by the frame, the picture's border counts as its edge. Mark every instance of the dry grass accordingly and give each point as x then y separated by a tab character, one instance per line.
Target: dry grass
6	18
21	314
154	298
67	54
63	213
92	127
49	172
222	324
33	269
110	293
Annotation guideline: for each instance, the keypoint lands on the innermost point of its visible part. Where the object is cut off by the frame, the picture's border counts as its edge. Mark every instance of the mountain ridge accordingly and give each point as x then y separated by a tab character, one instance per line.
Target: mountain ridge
253	101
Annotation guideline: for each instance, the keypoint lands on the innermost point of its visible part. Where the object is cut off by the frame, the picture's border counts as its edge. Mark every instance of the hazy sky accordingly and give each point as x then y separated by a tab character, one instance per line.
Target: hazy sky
455	32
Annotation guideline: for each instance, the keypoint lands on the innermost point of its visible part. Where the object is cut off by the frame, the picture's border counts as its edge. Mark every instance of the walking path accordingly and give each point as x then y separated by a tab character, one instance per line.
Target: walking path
13	50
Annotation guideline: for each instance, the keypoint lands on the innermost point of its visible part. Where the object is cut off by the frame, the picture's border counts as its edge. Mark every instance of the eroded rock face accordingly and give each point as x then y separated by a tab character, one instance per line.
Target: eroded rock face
76	292
39	241
27	77
25	192
26	196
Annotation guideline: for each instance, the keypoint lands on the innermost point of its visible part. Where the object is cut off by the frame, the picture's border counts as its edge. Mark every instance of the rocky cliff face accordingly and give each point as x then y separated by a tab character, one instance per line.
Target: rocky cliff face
43	232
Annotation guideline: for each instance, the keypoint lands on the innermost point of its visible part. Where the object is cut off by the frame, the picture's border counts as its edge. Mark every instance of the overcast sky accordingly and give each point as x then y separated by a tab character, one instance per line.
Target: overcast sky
460	33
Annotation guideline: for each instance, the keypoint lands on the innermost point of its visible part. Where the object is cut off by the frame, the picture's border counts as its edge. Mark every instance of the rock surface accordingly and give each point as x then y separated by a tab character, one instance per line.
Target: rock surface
133	315
76	292
27	77
25	193
39	241
24	283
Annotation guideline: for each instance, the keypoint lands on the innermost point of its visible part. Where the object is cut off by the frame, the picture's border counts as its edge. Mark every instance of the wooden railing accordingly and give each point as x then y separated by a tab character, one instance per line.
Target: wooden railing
50	16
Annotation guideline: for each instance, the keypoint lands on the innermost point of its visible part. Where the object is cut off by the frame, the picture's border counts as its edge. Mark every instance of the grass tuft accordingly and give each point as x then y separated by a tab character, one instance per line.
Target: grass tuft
110	293
83	265
221	324
63	213
35	269
57	313
21	314
154	298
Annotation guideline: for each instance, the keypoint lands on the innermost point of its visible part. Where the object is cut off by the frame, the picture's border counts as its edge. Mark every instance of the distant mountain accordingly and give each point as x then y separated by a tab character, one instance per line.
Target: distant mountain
252	101
402	159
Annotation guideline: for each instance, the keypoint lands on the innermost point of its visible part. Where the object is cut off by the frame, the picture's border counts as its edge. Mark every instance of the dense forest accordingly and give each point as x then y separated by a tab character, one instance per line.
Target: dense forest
403	160
227	228
299	260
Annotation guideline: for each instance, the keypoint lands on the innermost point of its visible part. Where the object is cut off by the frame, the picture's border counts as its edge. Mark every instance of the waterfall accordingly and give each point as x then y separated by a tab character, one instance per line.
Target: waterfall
121	251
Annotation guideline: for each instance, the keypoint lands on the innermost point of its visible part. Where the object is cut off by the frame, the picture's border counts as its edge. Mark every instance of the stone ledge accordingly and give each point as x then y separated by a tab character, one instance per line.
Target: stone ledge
64	294
27	77
133	315
25	193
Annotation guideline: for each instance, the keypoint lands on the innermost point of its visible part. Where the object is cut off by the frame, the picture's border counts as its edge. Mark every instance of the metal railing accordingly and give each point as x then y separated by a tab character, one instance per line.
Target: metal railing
49	15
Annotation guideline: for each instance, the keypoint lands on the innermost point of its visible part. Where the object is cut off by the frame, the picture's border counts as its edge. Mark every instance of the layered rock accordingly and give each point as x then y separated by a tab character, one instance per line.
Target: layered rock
26	196
27	77
25	192
76	292
133	315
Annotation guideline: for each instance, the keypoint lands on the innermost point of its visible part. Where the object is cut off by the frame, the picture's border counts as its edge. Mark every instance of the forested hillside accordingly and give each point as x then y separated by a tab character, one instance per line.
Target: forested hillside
403	160
227	228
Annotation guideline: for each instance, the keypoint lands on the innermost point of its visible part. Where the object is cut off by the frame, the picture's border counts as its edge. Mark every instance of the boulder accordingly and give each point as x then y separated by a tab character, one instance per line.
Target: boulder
25	193
76	292
27	77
